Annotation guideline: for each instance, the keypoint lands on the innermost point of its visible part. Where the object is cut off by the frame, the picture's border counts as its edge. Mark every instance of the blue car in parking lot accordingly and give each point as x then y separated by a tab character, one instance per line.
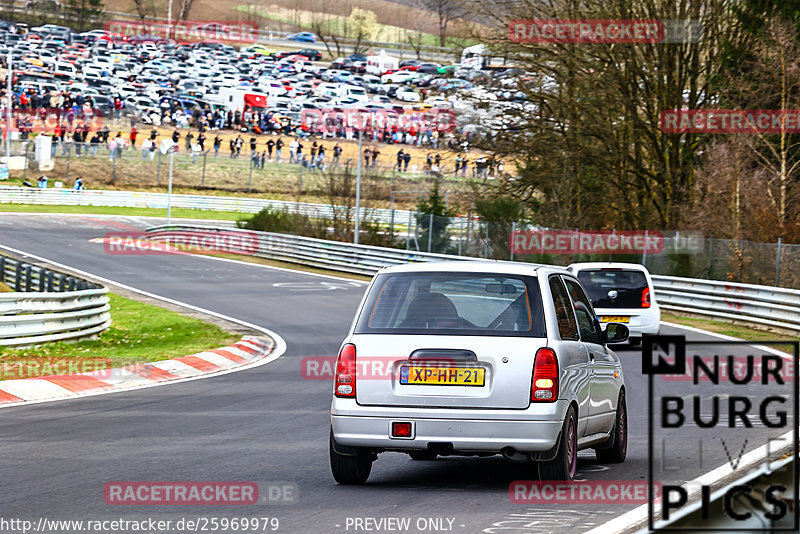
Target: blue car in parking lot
306	37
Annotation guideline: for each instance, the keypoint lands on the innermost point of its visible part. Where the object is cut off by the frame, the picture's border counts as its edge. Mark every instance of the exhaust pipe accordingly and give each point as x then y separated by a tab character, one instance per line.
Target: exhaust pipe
509	453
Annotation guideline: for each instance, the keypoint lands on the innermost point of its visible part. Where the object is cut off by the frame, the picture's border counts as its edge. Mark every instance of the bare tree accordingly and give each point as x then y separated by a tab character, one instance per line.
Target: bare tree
145	8
446	11
184	7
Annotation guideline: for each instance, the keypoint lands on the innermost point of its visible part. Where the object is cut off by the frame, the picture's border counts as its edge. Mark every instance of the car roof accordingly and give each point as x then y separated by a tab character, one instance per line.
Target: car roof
574	267
477	266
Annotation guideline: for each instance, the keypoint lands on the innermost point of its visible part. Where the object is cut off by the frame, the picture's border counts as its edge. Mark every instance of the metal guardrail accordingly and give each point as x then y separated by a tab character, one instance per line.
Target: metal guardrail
70	197
48	306
759	305
762	305
333	255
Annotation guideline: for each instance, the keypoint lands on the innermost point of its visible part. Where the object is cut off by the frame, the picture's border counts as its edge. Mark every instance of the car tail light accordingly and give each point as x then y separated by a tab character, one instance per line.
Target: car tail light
544	385
646	297
345	380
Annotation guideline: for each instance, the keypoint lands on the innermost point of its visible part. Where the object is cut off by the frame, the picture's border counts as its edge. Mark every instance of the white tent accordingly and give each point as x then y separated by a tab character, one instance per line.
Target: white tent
381	63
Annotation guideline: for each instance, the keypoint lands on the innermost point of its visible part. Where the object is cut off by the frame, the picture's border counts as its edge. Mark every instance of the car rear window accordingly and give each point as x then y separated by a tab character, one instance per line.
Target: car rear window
453	304
614	288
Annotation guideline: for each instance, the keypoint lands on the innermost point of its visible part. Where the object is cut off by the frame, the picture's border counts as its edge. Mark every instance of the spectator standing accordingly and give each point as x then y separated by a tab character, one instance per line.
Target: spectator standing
217	143
153	147
188	141
133	134
233	147
238	143
196	150
406	161
399	165
263	158
253	145
270	146
176	135
321	158
293	151
278	147
93	144
375	154
337	152
112	149
146	148
367	155
201	140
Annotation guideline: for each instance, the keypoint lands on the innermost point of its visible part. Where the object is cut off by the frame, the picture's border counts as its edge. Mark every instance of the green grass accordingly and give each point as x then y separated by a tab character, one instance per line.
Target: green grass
139	333
131	212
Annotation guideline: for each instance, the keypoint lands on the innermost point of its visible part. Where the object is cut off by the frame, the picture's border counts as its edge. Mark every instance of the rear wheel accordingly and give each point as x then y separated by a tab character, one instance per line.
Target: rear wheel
615	454
423	455
564	465
349	469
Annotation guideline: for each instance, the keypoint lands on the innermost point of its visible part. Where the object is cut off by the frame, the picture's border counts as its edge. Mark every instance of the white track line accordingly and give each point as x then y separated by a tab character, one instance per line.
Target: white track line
277	351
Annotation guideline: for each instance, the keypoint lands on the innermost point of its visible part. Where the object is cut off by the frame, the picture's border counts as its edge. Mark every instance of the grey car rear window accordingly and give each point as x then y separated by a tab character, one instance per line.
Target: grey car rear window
484	304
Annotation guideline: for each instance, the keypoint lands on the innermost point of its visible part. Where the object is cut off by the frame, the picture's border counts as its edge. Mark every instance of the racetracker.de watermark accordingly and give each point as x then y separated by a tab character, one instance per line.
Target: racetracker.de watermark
332	120
604	31
579	242
46	120
18	367
194	493
730	121
586	492
126	243
191	31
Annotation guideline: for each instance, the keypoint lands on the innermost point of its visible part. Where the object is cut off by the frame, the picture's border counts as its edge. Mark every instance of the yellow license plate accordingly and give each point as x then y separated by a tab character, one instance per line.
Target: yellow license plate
442	376
613	319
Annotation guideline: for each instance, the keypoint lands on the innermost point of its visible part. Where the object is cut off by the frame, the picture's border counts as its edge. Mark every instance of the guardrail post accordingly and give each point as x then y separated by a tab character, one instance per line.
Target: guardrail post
62	282
250	180
50	280
460	233
71	284
2	269
408	231
27	278
430	232
18	277
514	229
778	264
69	157
710	254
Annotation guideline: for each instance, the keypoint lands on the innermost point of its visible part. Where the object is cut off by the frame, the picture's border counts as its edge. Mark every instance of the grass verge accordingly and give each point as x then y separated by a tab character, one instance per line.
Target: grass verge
731	329
139	333
131	212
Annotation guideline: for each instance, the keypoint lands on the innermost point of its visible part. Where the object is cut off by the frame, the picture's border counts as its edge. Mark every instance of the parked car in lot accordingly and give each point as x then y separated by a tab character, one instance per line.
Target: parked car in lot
400	76
310	53
407	94
621	293
477	359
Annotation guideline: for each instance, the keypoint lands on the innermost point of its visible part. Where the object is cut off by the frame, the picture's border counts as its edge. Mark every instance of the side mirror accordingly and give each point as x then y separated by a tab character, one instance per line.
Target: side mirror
616	333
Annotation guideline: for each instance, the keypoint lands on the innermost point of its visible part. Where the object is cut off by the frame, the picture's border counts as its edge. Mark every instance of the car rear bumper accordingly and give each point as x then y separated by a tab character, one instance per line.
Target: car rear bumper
532	430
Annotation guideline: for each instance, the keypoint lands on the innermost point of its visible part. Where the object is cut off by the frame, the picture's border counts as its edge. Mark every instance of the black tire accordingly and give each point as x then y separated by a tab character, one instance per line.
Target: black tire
635	341
423	455
565	464
616	453
349	470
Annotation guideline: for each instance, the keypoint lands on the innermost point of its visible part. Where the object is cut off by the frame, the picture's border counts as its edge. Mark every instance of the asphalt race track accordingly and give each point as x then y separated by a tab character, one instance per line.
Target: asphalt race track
264	424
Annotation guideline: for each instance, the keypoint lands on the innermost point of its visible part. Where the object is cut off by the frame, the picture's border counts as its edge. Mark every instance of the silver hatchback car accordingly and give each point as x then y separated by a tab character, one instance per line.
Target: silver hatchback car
476	359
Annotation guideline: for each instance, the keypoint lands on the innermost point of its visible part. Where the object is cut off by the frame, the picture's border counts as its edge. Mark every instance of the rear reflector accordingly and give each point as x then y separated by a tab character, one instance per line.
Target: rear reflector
401	430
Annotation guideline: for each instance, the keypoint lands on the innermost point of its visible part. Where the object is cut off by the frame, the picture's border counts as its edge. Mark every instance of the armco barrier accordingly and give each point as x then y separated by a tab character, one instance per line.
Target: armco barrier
132	199
759	305
48	306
